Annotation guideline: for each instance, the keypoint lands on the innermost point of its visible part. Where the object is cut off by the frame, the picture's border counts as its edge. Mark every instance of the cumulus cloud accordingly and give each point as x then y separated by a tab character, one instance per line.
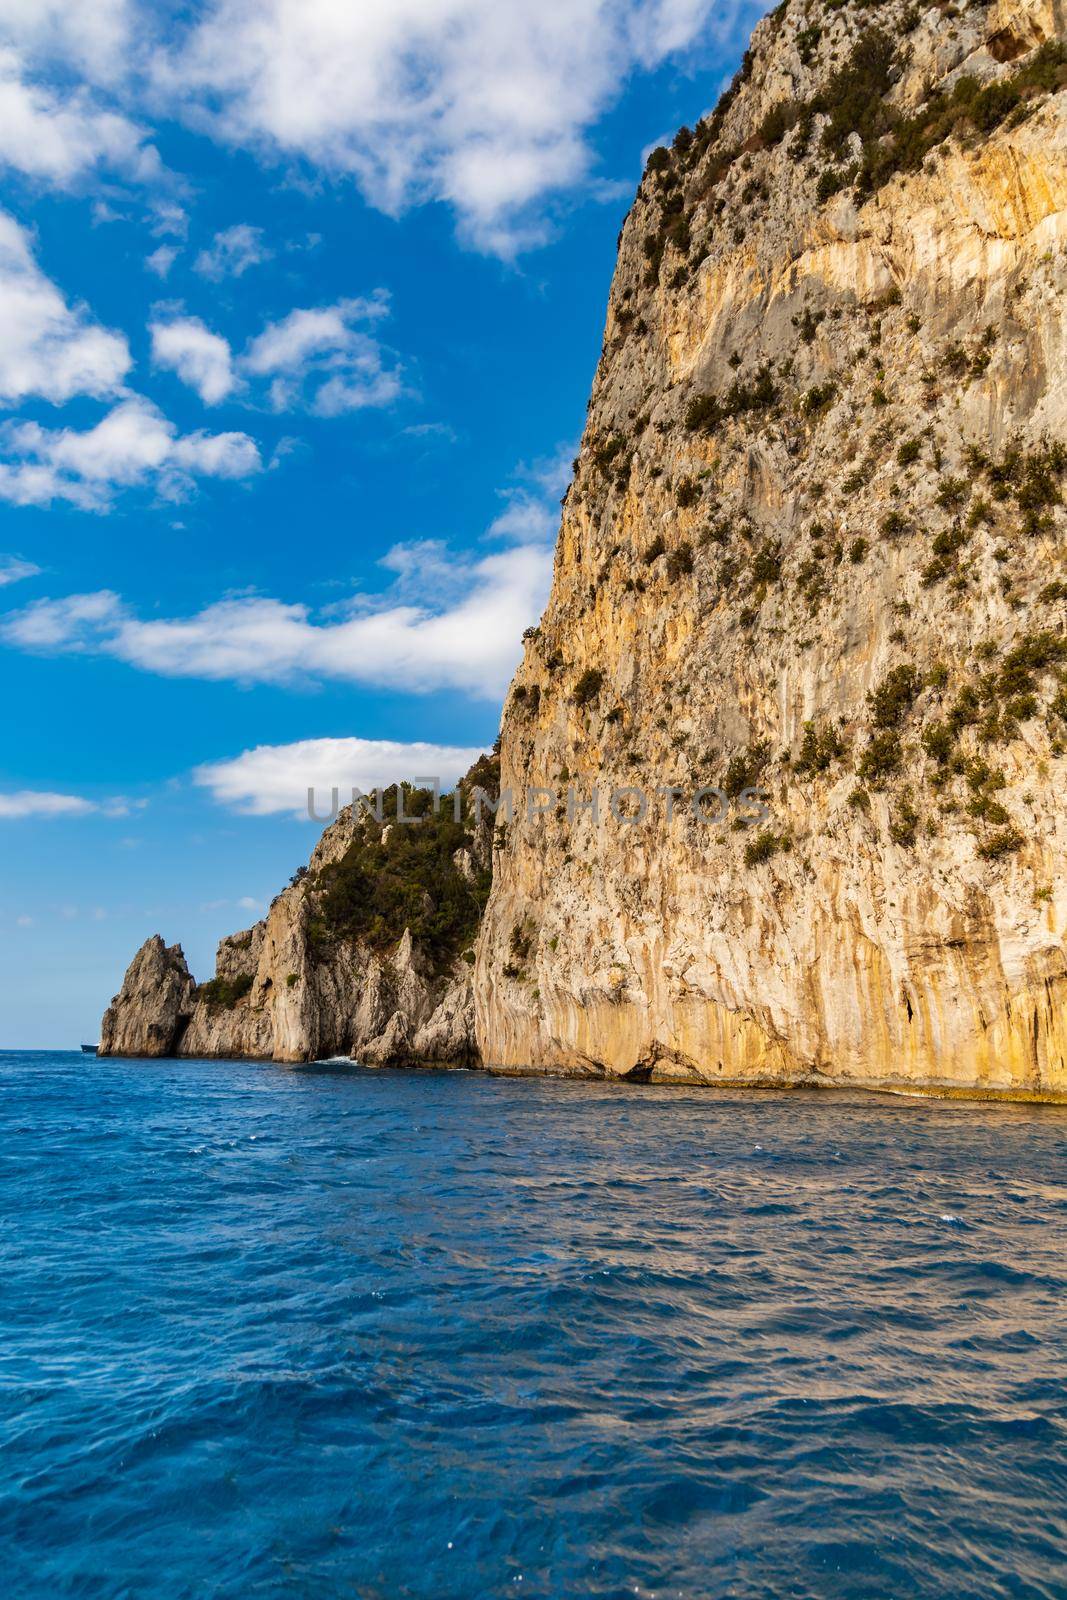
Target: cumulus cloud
470	643
96	34
482	105
134	445
202	359
162	259
36	803
446	620
232	252
320	358
315	359
169	219
276	778
47	348
58	138
13	570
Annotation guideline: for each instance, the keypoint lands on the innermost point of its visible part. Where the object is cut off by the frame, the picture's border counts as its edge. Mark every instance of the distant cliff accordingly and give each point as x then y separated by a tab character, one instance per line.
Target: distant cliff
814	544
367	952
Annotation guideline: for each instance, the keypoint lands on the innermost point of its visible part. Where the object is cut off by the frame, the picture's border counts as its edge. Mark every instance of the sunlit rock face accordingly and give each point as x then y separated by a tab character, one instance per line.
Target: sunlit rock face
284	991
815	538
814	547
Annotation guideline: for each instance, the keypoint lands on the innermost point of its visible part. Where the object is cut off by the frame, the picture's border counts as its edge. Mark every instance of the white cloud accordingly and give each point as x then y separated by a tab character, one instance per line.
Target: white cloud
486	107
465	638
48	349
95	34
35	803
447	620
317	357
134	445
483	105
232	252
58	139
13	570
200	358
524	517
160	261
169	220
276	778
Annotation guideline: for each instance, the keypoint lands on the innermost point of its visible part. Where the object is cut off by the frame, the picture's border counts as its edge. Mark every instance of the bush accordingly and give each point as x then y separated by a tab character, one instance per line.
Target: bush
746	768
778	121
224	993
1000	844
409	880
655	550
705	412
952	493
881	758
819	748
904	824
909	451
831	182
893	524
818	398
766	844
807	41
854	95
588	686
604	454
857	550
766	565
680	561
807	324
894	696
688	493
939	741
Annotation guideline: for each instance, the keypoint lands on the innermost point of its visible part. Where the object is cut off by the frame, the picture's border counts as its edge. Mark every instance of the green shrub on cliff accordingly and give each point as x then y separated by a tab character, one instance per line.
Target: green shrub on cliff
766	844
224	993
894	696
588	686
881	758
746	768
407	879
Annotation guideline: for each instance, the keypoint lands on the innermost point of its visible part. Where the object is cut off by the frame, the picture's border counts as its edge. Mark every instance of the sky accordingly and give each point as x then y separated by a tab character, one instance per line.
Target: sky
300	303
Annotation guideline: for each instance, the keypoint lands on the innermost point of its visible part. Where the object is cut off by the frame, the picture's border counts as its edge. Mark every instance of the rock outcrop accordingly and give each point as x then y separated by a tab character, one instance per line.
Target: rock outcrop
302	984
815	542
149	1014
812	559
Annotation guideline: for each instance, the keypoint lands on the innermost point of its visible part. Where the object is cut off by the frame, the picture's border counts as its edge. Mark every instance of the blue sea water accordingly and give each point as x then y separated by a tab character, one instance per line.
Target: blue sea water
275	1332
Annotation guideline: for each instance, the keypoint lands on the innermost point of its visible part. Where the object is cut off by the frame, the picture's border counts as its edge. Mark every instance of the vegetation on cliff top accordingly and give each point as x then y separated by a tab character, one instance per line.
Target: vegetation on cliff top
224	993
853	102
403	876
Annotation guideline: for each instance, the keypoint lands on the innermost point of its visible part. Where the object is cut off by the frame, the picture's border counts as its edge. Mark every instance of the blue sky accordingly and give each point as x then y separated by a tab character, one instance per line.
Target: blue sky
299	309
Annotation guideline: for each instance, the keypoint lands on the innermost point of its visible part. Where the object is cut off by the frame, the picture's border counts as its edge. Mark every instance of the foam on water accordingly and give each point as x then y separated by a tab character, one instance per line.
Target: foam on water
385	1334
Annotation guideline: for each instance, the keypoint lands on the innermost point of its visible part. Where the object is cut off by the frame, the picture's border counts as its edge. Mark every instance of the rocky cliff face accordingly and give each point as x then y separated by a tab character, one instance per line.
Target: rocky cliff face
815	541
318	978
814	547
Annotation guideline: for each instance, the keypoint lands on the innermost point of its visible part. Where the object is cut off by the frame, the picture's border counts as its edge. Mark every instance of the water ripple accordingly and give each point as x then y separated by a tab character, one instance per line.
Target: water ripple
335	1332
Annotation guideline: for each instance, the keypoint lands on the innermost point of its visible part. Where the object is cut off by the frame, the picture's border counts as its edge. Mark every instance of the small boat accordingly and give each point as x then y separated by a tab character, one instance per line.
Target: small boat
90	1049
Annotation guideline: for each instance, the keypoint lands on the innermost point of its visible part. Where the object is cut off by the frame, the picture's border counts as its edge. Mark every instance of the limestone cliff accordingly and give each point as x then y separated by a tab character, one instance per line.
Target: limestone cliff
363	954
815	541
814	547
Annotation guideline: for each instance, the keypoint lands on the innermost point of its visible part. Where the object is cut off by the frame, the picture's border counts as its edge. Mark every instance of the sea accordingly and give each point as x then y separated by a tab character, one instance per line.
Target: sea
329	1331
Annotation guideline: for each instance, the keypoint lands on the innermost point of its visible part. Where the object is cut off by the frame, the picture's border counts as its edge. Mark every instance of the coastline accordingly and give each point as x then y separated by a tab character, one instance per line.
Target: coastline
818	1082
